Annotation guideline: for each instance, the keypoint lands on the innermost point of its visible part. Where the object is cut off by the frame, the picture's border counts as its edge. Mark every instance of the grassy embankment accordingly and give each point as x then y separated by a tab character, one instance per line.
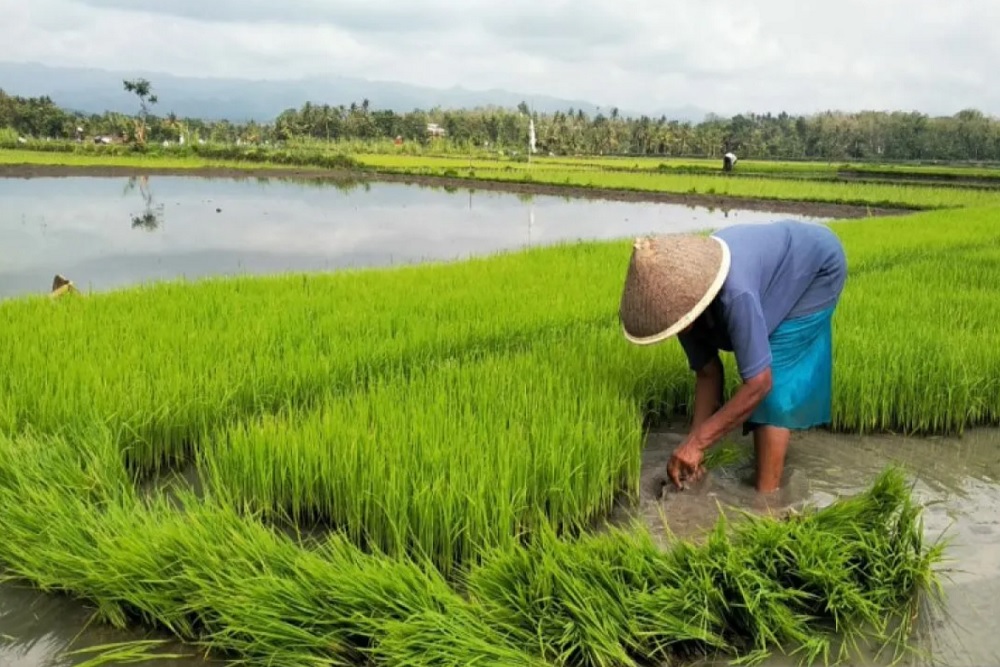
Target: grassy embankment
453	412
806	182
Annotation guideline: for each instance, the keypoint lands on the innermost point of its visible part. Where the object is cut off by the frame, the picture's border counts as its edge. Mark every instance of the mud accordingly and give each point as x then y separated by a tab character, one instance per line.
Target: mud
957	478
812	209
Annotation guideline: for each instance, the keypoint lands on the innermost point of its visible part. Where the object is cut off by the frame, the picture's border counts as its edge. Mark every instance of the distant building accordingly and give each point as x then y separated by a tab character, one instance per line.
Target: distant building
435	130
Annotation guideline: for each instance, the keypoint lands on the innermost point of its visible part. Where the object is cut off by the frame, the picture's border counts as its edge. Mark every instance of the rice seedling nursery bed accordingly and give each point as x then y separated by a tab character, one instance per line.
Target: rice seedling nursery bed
456	430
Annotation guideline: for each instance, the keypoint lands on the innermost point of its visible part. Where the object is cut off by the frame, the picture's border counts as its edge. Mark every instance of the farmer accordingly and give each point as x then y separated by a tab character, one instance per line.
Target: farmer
766	293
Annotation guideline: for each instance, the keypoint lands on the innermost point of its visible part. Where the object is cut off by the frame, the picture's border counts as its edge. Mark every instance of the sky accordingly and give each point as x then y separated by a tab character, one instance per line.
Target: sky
728	56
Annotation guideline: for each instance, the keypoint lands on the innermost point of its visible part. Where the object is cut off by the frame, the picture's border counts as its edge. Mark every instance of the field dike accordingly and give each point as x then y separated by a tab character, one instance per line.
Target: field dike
458	430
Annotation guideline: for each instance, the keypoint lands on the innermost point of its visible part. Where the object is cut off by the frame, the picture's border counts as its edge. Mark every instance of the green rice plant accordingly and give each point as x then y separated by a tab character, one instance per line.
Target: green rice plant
457	638
158	364
450	459
122	653
726	454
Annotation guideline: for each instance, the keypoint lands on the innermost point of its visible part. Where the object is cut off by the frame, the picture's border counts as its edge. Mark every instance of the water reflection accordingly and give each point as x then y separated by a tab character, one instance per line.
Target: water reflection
152	214
193	227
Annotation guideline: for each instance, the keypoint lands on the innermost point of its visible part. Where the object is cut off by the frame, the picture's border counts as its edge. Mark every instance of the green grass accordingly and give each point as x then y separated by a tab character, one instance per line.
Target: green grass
768	166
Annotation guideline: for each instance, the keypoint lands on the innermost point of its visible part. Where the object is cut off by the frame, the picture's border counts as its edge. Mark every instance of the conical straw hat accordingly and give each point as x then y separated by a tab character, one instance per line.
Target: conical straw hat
671	280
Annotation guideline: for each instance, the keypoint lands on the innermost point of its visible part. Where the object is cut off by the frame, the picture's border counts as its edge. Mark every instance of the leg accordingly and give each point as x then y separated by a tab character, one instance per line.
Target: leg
770	444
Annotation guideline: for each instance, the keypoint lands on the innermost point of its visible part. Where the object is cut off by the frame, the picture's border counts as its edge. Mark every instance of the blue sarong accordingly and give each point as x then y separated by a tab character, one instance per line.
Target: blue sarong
801	393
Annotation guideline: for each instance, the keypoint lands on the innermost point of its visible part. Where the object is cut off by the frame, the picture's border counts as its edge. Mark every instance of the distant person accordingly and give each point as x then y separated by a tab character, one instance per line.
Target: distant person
766	293
728	161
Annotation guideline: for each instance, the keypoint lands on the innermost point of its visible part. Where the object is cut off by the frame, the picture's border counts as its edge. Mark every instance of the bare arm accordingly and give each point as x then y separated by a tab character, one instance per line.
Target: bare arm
687	458
707	392
707	432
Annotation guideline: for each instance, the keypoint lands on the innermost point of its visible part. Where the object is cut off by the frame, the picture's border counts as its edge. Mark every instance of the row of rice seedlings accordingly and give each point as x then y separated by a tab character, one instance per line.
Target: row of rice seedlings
915	346
453	457
159	364
229	584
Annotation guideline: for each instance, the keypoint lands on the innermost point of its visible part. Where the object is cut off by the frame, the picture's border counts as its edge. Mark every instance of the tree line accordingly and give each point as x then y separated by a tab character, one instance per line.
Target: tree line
968	135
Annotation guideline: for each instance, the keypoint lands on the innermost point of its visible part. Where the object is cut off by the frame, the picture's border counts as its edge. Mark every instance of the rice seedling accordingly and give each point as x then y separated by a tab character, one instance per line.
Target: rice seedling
726	454
122	653
453	458
454	639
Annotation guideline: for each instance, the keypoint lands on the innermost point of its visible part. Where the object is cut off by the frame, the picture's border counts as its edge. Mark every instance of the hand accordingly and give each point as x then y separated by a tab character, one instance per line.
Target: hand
685	464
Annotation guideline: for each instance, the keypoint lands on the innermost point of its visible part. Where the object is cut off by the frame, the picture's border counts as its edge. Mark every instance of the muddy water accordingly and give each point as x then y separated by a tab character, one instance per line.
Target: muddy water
44	630
959	478
107	232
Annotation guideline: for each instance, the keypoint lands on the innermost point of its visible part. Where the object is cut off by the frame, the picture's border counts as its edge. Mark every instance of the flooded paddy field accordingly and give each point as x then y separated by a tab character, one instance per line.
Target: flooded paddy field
109	232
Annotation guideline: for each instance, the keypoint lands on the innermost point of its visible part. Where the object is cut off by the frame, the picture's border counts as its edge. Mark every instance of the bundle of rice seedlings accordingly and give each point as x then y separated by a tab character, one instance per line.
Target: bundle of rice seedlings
753	588
217	578
457	638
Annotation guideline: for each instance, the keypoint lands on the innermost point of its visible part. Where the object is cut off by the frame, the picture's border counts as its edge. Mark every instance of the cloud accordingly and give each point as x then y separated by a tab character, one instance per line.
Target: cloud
724	55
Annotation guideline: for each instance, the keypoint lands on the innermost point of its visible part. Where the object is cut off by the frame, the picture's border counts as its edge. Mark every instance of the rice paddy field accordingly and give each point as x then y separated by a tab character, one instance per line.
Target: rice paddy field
420	465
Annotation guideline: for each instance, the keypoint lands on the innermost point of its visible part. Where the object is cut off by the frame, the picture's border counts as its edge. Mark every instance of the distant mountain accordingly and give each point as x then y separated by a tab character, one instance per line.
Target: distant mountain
239	100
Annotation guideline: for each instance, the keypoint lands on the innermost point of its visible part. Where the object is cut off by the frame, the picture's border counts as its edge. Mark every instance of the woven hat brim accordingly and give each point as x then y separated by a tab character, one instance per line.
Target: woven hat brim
698	309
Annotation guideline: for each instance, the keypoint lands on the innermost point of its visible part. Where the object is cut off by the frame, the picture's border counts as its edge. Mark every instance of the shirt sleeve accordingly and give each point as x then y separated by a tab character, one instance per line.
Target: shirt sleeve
748	334
697	350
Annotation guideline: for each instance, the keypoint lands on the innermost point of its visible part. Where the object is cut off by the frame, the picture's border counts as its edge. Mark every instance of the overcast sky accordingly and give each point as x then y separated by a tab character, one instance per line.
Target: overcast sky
723	55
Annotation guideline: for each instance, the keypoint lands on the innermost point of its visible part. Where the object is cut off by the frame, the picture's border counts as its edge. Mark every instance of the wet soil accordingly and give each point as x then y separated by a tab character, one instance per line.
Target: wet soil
812	209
